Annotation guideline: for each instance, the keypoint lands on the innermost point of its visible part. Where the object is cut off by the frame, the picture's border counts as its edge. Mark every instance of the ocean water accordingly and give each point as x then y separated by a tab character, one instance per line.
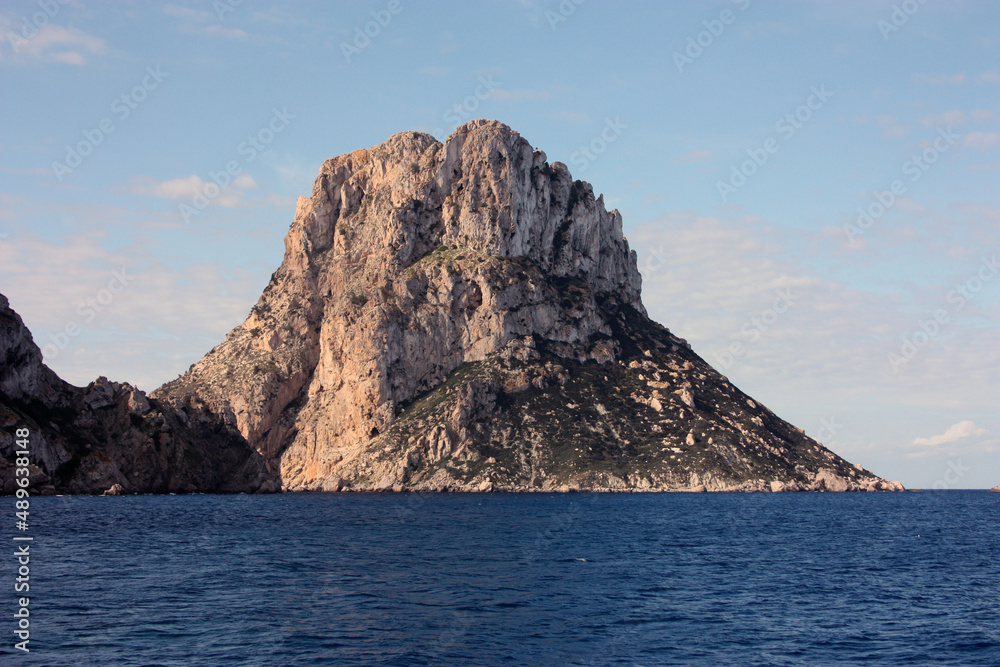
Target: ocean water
534	579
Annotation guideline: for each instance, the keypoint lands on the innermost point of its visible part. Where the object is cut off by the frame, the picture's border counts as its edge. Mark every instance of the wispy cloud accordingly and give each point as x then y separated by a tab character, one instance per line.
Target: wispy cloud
982	140
955	432
570	117
279	17
27	171
694	156
187	13
447	42
57	44
162	321
949	118
520	95
981	115
222	31
434	71
187	188
956	79
838	334
891	127
201	22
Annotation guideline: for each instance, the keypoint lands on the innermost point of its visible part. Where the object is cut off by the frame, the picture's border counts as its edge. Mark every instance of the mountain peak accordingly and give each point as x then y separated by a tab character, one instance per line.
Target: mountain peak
447	316
485	189
465	315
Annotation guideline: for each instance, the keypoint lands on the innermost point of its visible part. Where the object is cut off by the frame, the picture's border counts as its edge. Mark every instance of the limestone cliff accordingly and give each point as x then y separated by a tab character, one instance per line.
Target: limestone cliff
110	436
466	316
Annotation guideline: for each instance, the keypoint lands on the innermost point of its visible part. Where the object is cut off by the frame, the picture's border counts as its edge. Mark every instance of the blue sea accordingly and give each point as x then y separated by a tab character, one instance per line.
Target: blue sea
493	579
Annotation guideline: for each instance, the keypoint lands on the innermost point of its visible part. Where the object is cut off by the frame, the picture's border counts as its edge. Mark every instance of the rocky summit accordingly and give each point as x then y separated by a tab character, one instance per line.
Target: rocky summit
465	316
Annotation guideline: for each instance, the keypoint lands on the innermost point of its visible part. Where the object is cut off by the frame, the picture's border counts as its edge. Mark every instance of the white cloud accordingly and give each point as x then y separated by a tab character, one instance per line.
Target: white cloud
982	140
520	95
938	79
836	338
222	31
981	115
694	156
891	127
187	188
447	42
712	280
434	71
186	13
949	118
279	17
296	175
201	22
570	117
960	431
27	171
163	319
56	44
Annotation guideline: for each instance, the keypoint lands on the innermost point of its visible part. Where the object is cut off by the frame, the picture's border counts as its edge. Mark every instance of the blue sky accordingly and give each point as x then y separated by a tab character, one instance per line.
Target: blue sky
740	141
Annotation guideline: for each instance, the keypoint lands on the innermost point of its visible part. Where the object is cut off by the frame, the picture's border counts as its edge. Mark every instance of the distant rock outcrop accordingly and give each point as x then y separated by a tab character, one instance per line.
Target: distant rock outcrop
996	488
109	437
466	316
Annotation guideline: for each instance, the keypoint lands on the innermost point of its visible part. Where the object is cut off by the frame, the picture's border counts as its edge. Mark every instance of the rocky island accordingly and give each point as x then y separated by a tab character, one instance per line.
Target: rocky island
457	316
110	437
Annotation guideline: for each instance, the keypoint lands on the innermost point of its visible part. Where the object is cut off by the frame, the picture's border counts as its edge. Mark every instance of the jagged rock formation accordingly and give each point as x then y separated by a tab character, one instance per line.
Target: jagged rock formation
110	436
996	488
466	316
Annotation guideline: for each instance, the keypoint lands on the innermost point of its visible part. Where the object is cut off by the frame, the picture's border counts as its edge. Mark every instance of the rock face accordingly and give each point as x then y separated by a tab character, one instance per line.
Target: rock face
109	437
466	316
996	488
